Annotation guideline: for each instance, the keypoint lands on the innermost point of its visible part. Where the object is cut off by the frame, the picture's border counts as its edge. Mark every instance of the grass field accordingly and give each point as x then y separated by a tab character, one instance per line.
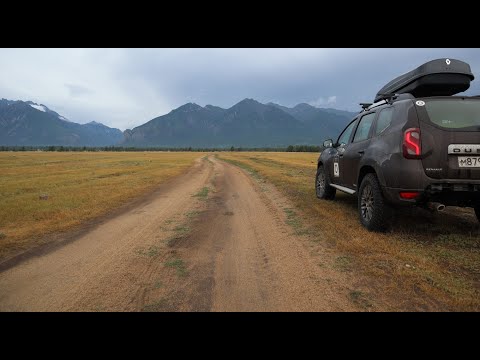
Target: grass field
426	261
42	193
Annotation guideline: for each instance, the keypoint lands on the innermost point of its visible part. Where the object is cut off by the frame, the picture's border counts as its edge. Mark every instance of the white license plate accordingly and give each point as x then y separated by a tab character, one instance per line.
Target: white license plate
469	161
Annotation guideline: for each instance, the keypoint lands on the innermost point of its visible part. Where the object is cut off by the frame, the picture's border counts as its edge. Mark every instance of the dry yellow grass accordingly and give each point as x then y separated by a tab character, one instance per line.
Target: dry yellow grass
425	262
80	187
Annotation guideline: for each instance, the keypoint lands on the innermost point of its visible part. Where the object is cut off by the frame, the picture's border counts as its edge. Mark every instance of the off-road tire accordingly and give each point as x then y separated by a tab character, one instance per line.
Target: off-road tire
322	185
373	211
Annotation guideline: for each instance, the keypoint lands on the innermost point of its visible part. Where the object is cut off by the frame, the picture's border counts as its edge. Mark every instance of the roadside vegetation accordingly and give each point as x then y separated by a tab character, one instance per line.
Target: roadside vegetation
424	262
290	148
44	193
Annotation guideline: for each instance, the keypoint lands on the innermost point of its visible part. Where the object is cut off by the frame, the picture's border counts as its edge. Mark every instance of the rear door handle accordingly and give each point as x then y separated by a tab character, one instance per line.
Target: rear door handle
361	152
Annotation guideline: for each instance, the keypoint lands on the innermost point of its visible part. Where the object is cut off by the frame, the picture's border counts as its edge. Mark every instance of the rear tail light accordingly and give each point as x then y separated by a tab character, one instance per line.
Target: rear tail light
412	145
409	195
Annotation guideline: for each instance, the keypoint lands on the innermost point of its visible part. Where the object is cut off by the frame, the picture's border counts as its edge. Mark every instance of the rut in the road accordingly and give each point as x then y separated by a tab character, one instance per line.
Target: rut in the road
244	257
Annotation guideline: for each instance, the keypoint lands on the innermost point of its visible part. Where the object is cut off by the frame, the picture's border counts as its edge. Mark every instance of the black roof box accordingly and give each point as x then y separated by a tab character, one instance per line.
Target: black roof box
441	77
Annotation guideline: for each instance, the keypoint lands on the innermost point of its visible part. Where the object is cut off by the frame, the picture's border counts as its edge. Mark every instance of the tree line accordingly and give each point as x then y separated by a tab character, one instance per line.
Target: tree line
290	148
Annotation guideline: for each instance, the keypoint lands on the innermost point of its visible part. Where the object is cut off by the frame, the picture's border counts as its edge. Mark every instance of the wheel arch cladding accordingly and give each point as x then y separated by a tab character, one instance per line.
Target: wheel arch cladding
366	169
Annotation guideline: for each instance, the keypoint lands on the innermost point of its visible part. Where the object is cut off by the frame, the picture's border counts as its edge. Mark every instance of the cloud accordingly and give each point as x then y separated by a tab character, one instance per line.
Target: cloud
77	90
125	88
324	101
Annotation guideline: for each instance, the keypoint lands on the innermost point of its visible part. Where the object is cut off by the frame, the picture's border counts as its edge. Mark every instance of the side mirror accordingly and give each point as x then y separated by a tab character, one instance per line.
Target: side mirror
328	143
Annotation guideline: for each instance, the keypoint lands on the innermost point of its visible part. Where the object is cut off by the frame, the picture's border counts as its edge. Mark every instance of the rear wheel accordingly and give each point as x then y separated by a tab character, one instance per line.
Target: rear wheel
373	211
322	185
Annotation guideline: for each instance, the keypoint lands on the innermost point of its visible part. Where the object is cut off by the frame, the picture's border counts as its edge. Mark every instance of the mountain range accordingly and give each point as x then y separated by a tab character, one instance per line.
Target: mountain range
248	123
25	123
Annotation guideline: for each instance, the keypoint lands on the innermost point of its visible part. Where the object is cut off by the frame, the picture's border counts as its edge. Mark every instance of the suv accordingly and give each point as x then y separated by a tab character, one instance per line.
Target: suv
416	145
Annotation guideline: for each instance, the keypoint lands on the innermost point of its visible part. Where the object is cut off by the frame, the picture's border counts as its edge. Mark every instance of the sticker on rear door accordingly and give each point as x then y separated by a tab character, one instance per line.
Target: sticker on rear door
336	169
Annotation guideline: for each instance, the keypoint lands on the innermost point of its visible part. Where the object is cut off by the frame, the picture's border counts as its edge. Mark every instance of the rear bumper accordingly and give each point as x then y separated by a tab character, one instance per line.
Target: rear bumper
449	192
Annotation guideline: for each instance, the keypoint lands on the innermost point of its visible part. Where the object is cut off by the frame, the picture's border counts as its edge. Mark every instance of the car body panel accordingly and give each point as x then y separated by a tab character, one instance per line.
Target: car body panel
383	154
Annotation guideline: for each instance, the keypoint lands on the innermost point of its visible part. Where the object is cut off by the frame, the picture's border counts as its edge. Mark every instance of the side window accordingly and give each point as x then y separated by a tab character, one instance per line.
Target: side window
384	119
364	127
345	136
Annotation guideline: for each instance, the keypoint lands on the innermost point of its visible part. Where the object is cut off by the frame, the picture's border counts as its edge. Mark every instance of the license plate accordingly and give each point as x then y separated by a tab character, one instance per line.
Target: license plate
469	161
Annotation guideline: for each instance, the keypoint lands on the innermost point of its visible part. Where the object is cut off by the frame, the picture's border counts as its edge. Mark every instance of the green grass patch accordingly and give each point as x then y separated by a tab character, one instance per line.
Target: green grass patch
360	298
152	251
343	263
182	229
296	223
203	193
192	214
244	166
179	266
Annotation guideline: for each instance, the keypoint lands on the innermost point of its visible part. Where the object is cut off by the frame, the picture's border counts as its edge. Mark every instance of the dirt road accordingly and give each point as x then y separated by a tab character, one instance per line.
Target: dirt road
214	239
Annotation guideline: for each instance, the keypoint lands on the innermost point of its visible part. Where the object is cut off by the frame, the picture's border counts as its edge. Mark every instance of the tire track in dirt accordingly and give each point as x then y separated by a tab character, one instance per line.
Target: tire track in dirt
227	249
243	256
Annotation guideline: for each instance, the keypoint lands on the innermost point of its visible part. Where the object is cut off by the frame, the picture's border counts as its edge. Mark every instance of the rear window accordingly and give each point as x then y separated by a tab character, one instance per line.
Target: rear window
454	113
384	119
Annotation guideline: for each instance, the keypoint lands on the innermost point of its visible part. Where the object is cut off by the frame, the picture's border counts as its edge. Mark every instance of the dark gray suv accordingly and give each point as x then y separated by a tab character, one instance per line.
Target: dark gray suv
417	144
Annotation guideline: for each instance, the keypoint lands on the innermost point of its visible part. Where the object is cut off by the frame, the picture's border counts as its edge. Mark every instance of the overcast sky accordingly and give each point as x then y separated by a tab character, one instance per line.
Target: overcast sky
124	88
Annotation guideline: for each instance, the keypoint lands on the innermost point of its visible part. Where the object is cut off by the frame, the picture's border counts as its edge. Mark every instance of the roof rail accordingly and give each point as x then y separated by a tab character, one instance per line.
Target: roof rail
394	96
368	106
403	96
374	105
389	99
